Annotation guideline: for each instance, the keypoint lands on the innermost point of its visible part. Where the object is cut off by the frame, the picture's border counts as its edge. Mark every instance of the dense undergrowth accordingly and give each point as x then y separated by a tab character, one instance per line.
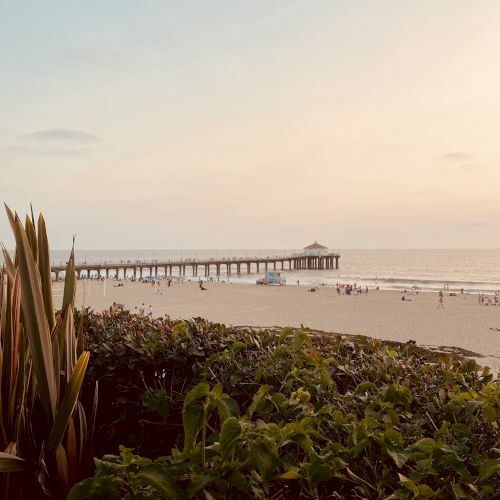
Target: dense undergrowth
206	411
191	409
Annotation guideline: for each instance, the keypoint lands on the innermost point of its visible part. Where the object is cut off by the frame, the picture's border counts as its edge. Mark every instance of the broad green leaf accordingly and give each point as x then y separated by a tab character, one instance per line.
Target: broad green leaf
490	414
258	398
425	491
285	333
261	458
489	468
161	482
393	436
291	474
398	457
301	338
425	444
197	392
230	431
192	419
68	403
408	484
11	463
227	407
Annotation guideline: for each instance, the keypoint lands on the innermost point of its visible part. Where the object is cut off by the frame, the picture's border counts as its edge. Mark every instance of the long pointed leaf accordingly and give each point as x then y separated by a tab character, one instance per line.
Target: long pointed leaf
68	403
44	266
83	432
62	466
79	339
69	340
31	234
9	265
35	320
11	463
69	281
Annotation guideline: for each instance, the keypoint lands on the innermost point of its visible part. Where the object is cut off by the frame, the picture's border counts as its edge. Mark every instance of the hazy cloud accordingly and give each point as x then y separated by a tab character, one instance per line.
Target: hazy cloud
458	156
51	152
62	134
56	142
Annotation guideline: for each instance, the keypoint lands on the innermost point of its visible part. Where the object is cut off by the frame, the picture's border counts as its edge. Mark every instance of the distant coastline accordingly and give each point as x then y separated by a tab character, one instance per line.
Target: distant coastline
477	271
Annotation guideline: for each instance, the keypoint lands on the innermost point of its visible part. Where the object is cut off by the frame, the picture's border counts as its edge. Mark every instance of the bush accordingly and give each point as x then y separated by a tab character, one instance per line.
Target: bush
236	413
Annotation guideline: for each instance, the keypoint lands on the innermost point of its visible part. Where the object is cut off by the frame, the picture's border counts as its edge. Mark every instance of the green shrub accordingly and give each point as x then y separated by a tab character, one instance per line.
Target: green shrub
255	414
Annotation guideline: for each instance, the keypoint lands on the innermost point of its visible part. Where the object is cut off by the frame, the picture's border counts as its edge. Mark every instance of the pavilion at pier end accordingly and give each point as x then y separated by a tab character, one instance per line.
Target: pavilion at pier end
313	257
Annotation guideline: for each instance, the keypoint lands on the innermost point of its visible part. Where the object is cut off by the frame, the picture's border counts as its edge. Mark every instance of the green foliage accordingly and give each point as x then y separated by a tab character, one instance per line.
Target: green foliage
266	414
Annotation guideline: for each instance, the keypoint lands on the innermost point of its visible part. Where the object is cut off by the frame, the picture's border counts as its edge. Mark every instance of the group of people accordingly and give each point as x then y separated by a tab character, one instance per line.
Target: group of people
351	289
115	307
142	311
482	298
488	300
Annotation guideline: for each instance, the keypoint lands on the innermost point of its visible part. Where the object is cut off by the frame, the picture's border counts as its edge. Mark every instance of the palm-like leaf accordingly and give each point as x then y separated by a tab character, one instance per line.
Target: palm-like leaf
36	323
40	376
11	463
68	403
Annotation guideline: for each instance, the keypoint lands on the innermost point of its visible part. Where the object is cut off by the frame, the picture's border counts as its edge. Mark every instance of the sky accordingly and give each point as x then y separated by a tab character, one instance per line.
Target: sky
263	124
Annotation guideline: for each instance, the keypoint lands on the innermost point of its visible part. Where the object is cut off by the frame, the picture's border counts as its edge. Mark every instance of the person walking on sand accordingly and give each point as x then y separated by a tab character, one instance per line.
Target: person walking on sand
440	301
150	313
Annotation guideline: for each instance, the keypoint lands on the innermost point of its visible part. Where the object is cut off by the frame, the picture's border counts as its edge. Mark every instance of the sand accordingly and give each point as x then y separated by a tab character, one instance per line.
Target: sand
463	323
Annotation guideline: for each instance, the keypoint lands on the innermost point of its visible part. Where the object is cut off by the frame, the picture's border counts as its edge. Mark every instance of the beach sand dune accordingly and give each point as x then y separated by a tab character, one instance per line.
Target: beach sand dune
463	322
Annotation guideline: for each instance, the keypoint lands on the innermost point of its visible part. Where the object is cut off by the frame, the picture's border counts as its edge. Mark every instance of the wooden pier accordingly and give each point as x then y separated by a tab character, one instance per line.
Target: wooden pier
181	267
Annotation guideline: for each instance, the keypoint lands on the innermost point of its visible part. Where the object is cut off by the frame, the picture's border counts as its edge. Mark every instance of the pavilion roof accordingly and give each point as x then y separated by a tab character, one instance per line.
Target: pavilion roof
316	246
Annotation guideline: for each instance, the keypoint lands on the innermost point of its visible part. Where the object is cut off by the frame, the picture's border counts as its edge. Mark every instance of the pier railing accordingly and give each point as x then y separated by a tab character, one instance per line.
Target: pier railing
181	266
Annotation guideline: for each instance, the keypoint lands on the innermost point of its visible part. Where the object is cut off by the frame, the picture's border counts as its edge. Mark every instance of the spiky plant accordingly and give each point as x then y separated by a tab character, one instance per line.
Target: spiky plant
44	429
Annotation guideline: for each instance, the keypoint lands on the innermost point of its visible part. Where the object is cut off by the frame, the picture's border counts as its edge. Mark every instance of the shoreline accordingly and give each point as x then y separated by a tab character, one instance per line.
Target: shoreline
238	280
463	323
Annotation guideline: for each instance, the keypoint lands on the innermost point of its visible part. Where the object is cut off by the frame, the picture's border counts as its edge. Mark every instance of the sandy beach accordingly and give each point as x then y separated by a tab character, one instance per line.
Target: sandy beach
463	322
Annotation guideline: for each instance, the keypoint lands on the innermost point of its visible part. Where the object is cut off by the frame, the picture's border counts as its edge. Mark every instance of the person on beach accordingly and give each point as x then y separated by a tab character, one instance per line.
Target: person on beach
142	309
150	313
440	301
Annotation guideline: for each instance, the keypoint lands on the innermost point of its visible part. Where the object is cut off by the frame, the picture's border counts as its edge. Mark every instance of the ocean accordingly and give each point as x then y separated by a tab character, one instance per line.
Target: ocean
428	270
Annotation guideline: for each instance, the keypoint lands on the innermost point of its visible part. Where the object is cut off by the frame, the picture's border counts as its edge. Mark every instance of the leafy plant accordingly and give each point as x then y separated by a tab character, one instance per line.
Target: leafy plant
242	413
44	429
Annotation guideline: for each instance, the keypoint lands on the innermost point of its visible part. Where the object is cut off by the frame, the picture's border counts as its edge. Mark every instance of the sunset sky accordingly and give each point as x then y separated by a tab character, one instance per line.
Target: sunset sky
253	124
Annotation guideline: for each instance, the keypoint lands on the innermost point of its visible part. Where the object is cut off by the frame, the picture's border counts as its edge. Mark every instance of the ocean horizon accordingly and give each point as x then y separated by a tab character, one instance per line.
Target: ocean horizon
474	270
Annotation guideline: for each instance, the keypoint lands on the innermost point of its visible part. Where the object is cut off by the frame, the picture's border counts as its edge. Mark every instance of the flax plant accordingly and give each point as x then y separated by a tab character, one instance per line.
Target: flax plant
44	429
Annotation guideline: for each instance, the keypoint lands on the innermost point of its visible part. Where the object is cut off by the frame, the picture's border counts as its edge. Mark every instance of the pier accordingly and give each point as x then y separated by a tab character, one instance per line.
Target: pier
203	267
